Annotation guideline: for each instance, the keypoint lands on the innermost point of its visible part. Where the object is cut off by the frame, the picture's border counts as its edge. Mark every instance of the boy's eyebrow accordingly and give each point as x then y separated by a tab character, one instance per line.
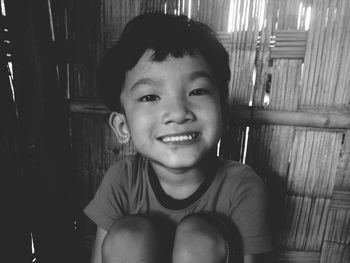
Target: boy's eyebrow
142	81
201	74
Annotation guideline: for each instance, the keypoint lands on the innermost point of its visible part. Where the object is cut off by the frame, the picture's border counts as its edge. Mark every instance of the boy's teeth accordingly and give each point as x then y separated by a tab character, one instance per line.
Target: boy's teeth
178	138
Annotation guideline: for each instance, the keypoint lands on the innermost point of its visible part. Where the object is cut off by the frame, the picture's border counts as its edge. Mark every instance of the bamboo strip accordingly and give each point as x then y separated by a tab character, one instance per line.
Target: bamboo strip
295	256
226	40
334	252
288	43
238	65
338	226
343	169
325	55
332	62
299	44
342	93
308	56
341	200
290	35
262	63
288	49
326	110
288	32
316	48
87	107
287	55
241	85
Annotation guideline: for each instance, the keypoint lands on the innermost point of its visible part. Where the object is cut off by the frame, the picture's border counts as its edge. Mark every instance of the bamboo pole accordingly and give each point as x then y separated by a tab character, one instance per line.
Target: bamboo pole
296	118
294	256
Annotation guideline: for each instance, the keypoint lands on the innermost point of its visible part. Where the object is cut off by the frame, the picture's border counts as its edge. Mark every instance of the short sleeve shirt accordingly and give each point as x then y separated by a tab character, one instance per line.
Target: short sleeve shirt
233	190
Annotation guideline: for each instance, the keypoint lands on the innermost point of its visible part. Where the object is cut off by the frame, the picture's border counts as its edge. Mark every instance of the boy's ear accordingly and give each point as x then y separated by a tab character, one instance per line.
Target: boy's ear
118	123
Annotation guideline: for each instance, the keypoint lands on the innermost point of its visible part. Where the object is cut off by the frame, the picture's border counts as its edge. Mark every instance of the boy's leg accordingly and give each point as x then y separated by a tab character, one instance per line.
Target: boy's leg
204	238
130	239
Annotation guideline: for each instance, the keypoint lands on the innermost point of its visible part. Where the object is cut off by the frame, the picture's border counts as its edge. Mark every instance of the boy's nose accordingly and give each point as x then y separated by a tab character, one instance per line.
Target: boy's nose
177	111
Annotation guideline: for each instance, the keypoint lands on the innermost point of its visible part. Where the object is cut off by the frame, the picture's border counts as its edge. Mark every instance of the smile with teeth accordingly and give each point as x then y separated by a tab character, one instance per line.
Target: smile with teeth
179	138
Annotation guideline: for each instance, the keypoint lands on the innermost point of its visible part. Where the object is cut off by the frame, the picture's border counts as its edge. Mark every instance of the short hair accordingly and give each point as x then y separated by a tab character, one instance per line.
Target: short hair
165	35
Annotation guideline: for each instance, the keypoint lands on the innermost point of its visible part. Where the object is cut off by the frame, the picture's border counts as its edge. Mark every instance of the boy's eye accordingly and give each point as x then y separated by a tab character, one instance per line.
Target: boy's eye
199	92
148	98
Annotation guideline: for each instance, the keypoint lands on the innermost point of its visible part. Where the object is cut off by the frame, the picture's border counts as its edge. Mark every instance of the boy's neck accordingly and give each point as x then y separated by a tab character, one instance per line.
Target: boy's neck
181	183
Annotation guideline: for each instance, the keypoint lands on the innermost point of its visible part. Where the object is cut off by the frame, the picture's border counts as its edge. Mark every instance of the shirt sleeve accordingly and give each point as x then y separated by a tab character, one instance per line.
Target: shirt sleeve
111	198
250	213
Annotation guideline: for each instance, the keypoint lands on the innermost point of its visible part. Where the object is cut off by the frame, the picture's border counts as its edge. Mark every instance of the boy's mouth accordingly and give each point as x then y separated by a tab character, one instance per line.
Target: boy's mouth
179	137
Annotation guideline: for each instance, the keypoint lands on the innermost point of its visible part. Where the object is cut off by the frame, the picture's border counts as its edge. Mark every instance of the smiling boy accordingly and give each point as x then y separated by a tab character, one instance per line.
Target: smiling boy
175	201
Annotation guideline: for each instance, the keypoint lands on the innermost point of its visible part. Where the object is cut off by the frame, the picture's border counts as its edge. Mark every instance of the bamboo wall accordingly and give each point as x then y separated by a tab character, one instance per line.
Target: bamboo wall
290	86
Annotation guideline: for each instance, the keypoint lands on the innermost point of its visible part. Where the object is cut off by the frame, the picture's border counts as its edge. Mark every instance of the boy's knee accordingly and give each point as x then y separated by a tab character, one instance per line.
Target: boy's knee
196	240
127	235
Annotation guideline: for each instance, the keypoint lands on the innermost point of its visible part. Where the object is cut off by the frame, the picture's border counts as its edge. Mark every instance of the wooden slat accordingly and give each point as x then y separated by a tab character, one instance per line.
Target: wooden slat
343	169
289	44
295	256
87	107
340	199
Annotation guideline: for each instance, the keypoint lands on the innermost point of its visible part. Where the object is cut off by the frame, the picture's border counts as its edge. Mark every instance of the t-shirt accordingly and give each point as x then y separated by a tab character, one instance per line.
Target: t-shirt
234	190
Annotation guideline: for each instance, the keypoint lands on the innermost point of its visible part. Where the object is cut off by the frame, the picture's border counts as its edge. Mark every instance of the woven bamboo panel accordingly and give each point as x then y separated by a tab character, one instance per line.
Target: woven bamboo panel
285	88
313	162
303	223
336	247
327	60
335	252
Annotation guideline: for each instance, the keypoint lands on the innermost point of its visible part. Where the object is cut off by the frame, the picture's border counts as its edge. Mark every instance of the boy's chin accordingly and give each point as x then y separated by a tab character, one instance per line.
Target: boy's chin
177	163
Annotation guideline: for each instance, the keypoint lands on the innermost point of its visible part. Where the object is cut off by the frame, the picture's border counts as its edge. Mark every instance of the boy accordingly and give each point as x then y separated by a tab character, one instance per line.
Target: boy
166	83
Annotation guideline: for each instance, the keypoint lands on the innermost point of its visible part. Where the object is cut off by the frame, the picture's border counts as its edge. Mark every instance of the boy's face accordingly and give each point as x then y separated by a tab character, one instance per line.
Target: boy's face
172	110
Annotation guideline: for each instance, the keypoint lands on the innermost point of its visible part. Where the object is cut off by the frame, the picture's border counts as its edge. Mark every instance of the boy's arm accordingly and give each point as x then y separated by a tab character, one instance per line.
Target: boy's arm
96	255
249	259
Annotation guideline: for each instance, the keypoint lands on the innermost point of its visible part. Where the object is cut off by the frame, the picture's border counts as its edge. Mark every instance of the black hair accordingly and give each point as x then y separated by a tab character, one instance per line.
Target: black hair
165	35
